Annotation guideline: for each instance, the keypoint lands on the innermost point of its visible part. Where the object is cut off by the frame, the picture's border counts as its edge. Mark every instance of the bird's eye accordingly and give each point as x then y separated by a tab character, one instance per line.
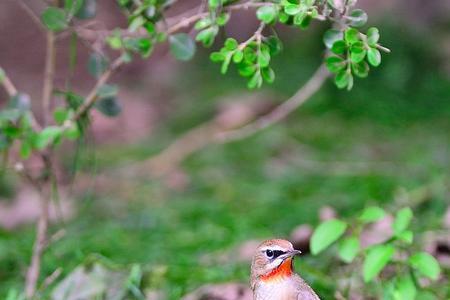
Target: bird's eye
269	253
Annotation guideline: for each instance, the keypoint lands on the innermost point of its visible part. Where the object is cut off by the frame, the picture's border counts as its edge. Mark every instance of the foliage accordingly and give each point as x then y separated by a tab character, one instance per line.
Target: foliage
407	267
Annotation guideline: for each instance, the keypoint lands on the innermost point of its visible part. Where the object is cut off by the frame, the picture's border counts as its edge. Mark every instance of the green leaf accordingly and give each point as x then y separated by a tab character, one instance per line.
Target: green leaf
375	261
425	295
292	9
343	79
335	63
214	3
326	234
267	14
426	264
47	136
222	19
238	56
374	57
339	47
115	40
274	44
145	47
268	75
331	36
231	44
357	18
372	214
72	133
255	81
406	236
351	35
72	7
182	46
402	220
249	55
360	69
246	70
217	57
109	106
203	23
88	9
226	63
60	114
404	288
54	19
348	249
97	64
136	23
107	90
264	57
358	52
25	149
306	20
373	35
207	36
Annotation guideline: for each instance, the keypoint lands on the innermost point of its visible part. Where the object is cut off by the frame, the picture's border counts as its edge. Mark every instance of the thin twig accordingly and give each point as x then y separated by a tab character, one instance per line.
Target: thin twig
39	246
49	73
50	279
92	96
31	14
280	112
9	86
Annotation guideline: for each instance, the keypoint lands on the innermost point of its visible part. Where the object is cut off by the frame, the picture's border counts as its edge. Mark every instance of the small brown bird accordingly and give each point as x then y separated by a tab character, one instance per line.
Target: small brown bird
272	275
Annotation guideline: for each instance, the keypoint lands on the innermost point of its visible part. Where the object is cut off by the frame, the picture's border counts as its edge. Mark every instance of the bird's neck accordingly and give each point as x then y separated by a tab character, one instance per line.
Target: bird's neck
284	270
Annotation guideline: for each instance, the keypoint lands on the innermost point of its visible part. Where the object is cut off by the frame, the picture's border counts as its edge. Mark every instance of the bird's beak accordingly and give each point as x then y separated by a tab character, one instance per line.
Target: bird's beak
290	254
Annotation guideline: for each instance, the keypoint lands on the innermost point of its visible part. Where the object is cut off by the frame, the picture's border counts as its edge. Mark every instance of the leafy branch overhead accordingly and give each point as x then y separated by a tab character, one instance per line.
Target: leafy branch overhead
349	52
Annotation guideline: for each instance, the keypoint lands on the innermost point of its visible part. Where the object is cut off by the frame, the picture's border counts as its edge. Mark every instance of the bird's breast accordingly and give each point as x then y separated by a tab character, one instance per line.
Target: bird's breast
275	290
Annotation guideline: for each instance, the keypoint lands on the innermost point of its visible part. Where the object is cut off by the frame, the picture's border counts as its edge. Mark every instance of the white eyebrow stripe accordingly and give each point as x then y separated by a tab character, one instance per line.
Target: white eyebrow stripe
274	247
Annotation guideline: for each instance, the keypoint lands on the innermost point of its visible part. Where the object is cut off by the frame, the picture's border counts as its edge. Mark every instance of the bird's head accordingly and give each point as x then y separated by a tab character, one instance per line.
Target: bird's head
273	260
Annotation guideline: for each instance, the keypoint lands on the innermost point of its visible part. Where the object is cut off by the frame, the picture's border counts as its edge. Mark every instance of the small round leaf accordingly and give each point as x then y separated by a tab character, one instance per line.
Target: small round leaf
374	57
182	46
54	19
267	13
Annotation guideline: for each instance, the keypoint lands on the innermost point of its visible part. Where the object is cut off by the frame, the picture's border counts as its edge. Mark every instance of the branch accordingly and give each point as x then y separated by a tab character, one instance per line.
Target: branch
31	14
44	187
92	96
8	85
38	247
280	112
211	132
49	73
175	23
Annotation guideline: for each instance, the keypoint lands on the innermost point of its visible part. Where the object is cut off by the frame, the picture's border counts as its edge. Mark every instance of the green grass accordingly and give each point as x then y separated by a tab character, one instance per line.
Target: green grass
342	149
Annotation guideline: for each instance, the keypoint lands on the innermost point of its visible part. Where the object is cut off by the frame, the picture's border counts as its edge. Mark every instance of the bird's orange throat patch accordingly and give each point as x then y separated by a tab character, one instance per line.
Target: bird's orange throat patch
282	271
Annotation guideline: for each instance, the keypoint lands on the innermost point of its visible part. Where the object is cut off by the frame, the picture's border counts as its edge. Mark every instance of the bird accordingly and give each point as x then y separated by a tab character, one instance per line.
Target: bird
273	276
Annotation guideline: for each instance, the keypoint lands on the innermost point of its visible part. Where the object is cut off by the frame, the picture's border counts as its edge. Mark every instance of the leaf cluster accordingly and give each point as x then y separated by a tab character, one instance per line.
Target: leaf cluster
396	251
